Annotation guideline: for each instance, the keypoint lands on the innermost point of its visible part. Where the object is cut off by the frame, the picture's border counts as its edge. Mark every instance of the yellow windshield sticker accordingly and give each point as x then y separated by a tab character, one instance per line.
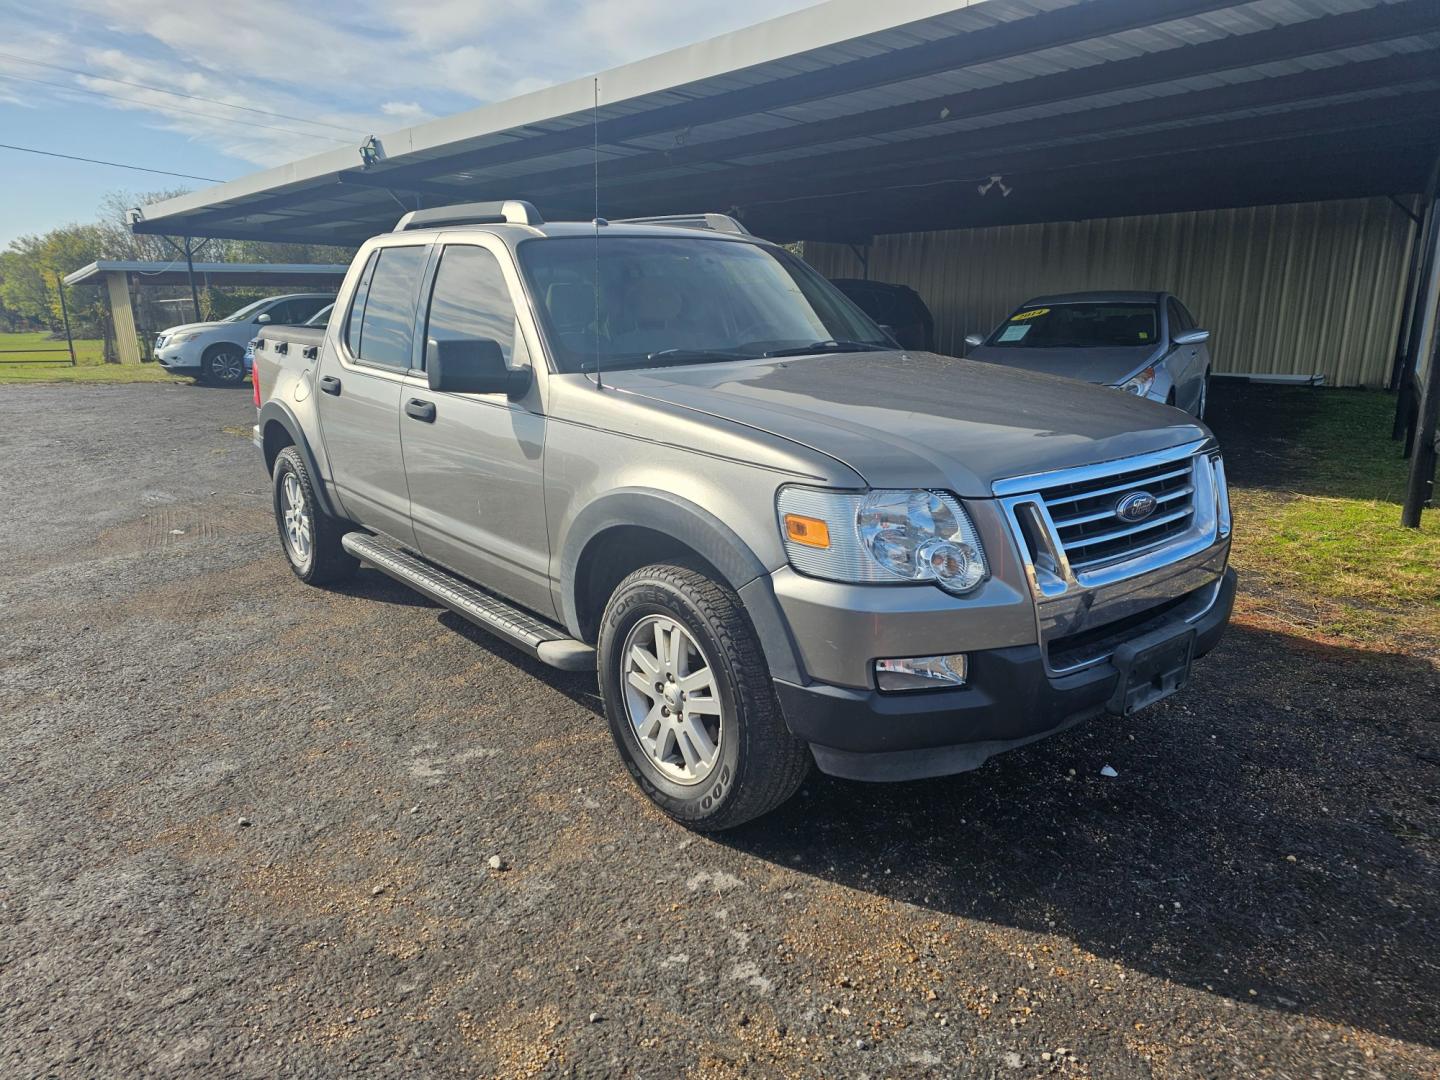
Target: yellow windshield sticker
1033	313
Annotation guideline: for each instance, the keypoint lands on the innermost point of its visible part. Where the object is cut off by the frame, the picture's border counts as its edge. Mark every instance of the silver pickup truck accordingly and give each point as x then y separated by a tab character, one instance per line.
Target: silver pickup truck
671	452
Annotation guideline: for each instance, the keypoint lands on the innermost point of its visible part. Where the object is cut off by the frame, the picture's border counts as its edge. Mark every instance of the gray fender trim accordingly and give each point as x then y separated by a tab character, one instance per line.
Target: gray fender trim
277	412
696	528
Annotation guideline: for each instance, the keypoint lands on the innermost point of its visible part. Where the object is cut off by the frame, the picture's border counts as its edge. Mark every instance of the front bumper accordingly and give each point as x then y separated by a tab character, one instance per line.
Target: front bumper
176	358
1010	700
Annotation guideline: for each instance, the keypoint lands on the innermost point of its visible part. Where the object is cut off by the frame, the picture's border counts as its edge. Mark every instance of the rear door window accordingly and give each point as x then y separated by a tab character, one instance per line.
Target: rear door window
383	332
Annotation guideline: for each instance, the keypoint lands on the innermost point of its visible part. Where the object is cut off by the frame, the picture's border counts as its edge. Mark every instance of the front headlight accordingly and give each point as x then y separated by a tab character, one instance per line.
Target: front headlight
1139	384
881	537
180	339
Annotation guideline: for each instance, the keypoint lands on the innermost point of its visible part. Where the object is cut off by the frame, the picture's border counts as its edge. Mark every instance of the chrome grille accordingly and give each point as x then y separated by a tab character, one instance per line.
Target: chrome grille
1092	534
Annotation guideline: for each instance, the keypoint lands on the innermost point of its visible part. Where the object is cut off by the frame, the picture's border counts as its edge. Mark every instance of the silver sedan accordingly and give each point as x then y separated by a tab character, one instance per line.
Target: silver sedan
1142	343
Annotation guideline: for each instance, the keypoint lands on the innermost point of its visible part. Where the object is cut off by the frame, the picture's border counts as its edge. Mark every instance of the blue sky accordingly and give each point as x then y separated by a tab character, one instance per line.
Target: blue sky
342	70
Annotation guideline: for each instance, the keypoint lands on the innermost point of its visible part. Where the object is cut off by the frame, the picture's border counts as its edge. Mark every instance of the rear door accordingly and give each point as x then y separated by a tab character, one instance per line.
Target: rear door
474	462
360	385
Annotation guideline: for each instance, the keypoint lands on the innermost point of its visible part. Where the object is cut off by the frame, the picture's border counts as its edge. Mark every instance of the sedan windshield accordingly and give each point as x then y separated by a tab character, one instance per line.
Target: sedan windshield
1077	326
679	300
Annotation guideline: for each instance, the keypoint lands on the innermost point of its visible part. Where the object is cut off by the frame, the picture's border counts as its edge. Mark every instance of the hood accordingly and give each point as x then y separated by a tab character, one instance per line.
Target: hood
911	419
1106	365
190	327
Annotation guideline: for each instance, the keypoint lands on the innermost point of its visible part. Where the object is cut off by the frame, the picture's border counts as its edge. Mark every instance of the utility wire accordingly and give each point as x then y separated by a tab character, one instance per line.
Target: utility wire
112	164
166	108
175	93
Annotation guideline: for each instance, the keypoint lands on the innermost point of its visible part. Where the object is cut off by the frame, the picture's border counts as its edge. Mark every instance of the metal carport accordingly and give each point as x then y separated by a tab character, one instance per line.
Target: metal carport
120	277
854	119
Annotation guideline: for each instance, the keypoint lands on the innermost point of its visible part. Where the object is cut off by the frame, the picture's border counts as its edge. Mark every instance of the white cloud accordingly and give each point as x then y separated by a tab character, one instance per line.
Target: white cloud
340	71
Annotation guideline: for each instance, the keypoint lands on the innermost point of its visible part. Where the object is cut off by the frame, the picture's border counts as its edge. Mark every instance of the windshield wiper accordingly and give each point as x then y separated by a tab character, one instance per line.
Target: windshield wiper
665	358
693	356
831	345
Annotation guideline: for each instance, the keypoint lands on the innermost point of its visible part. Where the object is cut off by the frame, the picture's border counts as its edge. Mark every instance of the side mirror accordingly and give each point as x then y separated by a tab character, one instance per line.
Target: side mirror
974	340
472	366
264	317
1192	337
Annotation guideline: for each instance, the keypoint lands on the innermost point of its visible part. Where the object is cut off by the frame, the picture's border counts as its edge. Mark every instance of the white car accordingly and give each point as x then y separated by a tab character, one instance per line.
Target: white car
215	351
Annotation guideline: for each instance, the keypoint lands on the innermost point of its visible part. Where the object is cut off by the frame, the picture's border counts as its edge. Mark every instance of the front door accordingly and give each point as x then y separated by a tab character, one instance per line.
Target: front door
474	462
360	385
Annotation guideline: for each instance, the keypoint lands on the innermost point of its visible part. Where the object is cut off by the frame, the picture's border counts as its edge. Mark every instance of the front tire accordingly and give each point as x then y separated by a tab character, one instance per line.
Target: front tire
689	700
223	365
310	537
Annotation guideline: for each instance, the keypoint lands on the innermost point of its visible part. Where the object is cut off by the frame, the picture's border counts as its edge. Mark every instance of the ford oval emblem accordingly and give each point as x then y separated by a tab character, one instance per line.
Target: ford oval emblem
1135	507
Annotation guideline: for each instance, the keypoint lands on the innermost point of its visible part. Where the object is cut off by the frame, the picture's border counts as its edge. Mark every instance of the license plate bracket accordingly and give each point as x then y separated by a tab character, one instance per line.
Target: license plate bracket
1151	668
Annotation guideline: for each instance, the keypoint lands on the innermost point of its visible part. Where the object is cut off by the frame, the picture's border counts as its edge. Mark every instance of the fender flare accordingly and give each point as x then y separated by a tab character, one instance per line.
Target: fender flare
699	530
279	413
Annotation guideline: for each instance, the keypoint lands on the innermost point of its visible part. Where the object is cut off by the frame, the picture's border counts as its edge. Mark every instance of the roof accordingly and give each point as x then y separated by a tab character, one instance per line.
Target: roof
174	272
852	118
1116	296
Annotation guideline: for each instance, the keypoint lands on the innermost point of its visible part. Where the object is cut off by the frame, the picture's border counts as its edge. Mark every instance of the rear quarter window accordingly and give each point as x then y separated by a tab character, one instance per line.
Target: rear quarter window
381	329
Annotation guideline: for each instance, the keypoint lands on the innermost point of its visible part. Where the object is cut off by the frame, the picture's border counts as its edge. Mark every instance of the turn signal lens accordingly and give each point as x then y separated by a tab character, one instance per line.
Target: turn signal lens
812	532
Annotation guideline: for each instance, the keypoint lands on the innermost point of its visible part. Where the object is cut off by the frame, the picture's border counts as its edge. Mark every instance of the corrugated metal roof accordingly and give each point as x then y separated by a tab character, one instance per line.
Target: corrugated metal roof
819	123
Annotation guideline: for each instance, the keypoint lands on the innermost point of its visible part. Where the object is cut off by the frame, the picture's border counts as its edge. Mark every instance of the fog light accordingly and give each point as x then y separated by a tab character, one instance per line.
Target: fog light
921	672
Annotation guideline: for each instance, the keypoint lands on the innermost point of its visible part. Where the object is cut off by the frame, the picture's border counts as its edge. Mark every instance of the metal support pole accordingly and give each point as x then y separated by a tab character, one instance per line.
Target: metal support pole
190	273
65	315
1407	311
1421	309
1421	488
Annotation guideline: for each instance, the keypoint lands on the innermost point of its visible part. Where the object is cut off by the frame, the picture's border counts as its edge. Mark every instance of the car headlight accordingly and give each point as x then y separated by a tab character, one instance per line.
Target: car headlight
882	536
180	339
1140	383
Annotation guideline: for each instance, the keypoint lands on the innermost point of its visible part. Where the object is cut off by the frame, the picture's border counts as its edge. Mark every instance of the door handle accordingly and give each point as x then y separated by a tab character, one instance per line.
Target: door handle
420	410
330	385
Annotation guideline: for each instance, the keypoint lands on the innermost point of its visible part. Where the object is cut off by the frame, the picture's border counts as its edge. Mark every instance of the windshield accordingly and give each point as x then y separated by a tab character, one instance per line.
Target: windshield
1077	326
678	300
246	312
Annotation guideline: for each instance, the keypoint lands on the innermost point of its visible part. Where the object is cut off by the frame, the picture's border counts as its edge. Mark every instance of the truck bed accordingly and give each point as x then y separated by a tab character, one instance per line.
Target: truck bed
294	335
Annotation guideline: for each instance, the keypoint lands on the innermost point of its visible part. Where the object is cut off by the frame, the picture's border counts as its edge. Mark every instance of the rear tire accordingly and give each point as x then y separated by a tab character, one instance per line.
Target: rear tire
699	729
309	536
223	365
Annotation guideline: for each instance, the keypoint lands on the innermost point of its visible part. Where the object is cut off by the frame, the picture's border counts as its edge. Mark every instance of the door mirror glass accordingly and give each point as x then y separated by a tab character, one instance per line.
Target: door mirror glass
974	340
1192	337
262	318
471	366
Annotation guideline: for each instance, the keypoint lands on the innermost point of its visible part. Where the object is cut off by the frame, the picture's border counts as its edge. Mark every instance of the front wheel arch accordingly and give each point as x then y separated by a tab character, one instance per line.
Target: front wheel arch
688	530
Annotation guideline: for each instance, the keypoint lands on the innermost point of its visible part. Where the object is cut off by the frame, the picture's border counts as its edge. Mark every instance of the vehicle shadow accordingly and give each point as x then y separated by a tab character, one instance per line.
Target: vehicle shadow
1181	867
1264	430
371	584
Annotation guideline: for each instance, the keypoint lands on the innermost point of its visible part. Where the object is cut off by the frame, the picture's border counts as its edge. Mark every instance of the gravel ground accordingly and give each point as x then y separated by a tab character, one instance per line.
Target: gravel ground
249	829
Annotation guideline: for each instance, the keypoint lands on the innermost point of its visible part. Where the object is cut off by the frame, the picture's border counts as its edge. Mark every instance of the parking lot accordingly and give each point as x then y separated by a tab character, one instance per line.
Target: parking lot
249	827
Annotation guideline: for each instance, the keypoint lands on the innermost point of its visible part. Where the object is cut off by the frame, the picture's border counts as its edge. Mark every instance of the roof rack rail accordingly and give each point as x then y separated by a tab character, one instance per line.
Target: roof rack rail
714	222
509	212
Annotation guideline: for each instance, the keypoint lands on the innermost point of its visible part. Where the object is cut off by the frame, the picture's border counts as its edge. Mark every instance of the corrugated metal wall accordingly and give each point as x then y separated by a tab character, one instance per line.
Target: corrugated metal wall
1294	289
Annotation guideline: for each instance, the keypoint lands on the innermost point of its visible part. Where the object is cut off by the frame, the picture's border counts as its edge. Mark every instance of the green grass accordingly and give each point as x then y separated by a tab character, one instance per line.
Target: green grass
91	367
1323	547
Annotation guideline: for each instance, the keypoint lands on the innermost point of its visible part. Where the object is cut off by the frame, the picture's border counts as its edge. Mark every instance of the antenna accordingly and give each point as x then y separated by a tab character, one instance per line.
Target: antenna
595	135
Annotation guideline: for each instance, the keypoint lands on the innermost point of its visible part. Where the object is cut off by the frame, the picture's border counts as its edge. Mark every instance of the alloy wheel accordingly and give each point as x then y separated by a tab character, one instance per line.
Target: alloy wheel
299	532
227	366
672	699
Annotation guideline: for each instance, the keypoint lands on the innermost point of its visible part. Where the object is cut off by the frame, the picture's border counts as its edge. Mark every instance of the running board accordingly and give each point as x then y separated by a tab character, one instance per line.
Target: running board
540	639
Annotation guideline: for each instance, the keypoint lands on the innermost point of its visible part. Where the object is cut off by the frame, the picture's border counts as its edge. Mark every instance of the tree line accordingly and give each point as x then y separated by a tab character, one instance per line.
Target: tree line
31	266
